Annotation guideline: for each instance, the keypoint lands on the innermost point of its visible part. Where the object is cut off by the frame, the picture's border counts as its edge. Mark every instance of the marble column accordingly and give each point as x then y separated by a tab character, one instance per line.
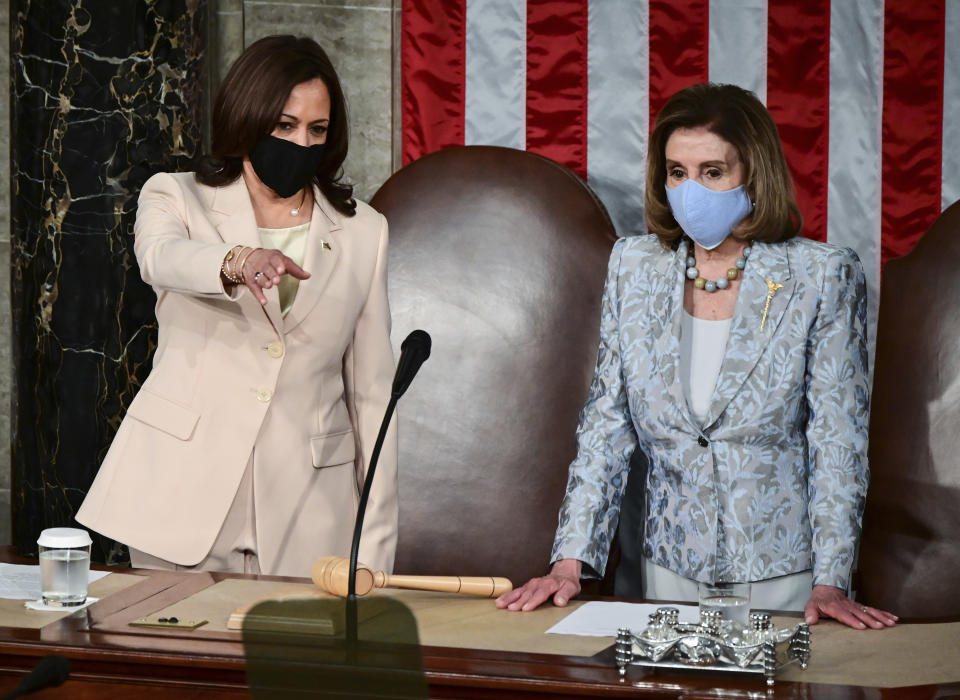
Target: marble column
104	94
6	375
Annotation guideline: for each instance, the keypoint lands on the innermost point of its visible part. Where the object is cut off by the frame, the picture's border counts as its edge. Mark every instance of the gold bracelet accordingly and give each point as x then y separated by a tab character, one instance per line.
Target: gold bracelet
234	268
246	253
231	254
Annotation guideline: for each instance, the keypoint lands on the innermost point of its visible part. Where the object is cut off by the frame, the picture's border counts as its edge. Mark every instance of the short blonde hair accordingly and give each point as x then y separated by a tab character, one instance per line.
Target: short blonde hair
739	118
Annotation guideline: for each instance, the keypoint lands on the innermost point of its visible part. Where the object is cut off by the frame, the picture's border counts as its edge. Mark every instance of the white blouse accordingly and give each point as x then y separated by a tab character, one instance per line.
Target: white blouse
702	345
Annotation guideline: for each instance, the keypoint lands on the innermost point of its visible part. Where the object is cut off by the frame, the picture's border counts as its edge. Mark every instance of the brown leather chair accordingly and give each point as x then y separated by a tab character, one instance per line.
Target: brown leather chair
500	255
910	549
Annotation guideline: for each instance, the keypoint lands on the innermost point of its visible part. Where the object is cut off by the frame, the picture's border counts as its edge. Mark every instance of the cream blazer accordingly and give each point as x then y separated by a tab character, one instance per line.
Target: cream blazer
303	395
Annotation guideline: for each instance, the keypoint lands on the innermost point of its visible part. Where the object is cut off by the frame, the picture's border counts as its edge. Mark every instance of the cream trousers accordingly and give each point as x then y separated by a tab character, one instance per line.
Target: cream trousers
234	550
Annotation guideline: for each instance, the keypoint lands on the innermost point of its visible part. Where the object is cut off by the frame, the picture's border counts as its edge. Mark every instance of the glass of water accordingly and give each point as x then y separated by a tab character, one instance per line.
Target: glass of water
731	599
64	566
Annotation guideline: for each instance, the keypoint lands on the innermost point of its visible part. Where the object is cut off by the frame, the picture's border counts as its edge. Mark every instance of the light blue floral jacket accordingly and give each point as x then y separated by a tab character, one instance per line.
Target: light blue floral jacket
775	482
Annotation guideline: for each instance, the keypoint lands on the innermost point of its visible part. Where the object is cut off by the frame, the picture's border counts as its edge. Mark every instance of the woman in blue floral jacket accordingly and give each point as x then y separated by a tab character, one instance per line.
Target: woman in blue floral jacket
733	354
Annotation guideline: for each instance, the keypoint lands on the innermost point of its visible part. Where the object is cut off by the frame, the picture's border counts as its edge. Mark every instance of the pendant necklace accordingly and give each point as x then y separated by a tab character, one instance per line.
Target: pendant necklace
296	212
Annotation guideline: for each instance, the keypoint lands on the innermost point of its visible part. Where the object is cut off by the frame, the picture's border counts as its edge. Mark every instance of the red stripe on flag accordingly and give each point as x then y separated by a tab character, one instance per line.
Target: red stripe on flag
557	81
798	97
679	31
912	150
433	66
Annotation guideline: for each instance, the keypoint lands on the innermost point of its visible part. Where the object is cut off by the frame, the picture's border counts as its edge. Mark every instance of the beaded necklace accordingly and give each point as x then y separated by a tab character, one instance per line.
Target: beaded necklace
710	285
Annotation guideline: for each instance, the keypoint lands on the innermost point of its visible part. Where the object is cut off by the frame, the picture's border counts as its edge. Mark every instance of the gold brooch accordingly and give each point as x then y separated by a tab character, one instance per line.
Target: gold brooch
772	288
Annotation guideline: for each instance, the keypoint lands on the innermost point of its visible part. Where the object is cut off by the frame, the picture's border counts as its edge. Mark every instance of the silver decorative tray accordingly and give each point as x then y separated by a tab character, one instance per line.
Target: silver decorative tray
715	644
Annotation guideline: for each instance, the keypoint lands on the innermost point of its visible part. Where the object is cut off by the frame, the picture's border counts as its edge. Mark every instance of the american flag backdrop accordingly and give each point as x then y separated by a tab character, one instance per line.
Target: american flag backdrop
865	93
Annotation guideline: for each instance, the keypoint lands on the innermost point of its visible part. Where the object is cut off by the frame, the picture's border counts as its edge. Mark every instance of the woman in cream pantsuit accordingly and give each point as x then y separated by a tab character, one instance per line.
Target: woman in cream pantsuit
733	354
247	446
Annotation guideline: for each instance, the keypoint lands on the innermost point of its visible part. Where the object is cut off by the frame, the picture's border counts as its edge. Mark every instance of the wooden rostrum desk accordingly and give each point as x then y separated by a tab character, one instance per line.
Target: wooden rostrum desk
470	649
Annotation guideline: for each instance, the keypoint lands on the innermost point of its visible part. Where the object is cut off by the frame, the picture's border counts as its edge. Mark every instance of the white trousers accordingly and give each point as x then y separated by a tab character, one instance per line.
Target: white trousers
790	592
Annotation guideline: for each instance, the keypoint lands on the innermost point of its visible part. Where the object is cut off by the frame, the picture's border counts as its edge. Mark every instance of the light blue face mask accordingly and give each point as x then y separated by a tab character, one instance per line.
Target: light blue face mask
708	216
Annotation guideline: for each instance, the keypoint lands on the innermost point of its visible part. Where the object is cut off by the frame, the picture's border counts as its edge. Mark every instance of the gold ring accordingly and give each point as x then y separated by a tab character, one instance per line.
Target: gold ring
863	608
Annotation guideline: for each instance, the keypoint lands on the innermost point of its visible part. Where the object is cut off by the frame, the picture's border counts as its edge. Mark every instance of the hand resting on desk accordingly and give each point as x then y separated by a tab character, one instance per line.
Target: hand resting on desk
562	583
830	601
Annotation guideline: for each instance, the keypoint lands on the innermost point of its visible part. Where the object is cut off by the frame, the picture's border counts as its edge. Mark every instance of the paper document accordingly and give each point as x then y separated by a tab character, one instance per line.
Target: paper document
603	619
22	581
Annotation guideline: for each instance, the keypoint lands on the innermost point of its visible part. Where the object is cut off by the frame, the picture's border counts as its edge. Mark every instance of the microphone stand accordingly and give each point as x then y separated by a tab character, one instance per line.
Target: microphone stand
358	525
414	351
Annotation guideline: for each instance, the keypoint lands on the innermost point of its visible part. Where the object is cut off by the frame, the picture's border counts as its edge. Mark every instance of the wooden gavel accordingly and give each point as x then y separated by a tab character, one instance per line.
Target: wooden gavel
331	574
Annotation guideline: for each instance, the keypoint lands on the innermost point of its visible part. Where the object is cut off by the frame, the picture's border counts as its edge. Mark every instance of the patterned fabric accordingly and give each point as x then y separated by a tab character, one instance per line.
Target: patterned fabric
776	479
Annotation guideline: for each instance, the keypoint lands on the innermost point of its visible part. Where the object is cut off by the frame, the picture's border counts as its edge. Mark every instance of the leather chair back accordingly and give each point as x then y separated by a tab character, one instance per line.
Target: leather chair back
910	549
501	256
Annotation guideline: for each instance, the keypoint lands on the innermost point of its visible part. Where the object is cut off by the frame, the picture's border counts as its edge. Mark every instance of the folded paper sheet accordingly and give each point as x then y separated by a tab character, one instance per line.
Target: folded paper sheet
603	619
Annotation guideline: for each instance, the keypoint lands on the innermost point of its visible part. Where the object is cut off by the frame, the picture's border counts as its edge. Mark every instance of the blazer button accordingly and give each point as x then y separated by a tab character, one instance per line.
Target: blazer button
264	395
702	441
275	349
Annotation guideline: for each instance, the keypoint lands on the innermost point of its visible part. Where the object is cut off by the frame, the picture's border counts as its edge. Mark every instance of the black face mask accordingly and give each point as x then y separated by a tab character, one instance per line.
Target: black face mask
284	166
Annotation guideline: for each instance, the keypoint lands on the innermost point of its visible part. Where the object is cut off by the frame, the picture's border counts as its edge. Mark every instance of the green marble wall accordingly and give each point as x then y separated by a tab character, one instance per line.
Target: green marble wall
104	94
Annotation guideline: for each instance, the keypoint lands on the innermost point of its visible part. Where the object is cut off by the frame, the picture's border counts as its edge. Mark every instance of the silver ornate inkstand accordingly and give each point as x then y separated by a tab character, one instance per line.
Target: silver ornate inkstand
714	644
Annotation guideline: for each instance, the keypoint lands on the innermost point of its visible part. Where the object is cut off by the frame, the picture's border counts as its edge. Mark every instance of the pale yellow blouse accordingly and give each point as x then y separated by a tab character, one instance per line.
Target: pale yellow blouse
292	242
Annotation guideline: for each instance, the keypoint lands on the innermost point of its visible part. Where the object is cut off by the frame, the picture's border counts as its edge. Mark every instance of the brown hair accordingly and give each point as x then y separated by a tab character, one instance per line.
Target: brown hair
739	118
249	102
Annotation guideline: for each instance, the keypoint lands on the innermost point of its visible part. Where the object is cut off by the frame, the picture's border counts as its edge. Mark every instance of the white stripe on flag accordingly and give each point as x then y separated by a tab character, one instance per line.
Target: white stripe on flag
738	44
950	187
618	113
496	73
856	99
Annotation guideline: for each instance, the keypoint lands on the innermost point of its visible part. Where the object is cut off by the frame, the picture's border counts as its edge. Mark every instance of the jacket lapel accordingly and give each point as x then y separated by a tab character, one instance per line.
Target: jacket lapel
319	259
666	306
232	214
767	275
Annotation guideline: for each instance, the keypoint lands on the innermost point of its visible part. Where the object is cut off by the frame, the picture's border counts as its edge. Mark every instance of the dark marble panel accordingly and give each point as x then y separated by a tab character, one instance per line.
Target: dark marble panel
5	379
5	368
105	94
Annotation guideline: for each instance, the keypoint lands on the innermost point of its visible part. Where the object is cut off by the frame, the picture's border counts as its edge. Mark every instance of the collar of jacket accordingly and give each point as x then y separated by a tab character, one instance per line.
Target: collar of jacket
236	223
767	267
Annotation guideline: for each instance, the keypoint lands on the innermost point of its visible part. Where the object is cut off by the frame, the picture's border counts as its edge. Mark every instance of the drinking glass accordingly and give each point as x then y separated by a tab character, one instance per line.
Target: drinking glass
731	599
64	566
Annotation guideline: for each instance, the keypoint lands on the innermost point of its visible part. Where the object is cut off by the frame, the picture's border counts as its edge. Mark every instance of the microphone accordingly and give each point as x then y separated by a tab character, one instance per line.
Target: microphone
414	350
49	672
